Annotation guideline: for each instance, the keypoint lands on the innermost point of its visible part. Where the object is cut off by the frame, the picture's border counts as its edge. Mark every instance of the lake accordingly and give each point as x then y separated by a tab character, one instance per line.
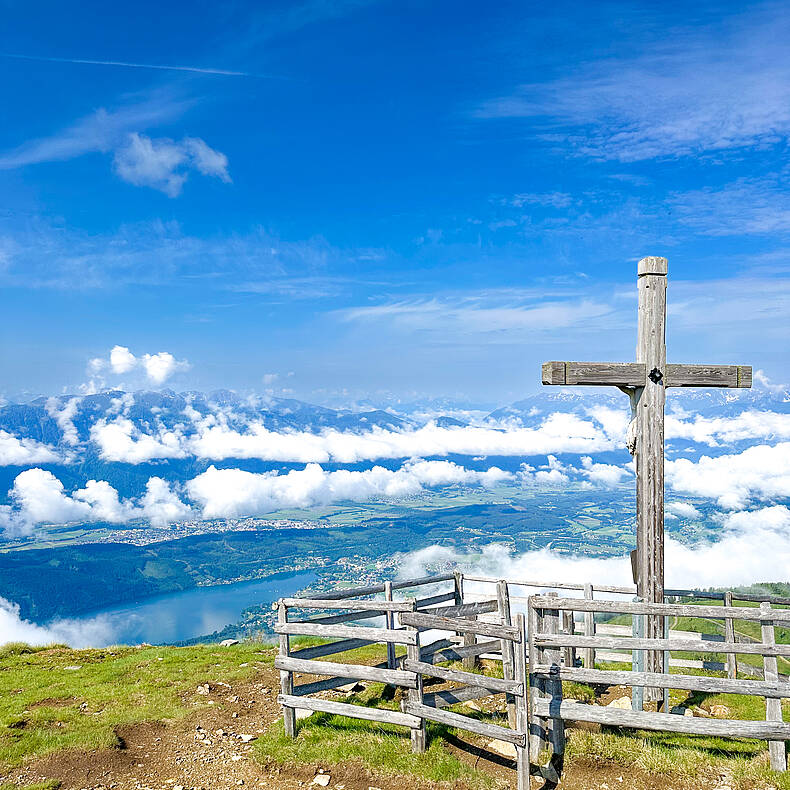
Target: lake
176	617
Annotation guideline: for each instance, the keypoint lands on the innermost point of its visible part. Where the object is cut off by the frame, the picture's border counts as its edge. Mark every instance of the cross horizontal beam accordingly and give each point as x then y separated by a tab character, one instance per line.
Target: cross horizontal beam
634	374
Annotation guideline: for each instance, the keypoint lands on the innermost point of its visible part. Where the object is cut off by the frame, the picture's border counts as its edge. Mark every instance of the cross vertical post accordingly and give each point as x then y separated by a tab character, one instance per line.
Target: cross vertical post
649	400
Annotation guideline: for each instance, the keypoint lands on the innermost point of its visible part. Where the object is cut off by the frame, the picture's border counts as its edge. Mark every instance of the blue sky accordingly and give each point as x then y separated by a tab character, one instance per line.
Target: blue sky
348	200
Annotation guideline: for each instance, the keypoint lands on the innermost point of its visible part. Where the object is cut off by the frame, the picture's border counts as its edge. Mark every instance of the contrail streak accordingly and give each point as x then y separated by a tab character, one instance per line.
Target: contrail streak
194	69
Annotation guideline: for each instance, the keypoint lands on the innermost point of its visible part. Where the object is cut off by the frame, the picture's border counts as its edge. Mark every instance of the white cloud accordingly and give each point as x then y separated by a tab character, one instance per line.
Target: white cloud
164	164
121	360
215	439
156	367
234	492
21	452
65	419
725	86
100	131
759	472
754	547
119	440
749	425
77	633
604	474
683	510
160	505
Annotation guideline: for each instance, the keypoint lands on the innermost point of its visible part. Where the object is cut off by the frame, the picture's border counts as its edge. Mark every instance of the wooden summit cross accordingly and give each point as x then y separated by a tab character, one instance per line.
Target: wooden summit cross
645	382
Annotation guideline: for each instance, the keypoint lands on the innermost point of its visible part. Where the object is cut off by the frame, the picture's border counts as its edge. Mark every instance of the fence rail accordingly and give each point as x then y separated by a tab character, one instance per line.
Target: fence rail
464	626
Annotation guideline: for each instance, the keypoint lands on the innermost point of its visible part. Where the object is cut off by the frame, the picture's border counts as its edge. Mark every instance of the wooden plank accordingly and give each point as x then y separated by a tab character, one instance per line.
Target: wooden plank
553	686
729	635
522	707
390	624
554	585
443	699
286	678
664	722
712	685
347	631
467	678
363	606
454	653
538	732
553	373
732	376
459	625
419	734
672	609
465	723
421	603
594	374
327	684
395	677
382	715
648	408
360	592
350	617
330	648
690	645
466	609
508	653
773	706
588	656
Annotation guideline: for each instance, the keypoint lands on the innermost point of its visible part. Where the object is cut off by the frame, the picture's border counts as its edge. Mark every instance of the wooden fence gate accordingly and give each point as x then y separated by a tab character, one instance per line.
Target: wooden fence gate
549	711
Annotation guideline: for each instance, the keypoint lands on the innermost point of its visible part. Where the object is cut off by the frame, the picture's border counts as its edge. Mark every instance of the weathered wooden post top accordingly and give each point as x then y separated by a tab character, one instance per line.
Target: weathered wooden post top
645	381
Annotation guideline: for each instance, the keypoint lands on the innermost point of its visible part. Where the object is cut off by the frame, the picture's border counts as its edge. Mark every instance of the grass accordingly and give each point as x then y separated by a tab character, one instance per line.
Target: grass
56	698
327	740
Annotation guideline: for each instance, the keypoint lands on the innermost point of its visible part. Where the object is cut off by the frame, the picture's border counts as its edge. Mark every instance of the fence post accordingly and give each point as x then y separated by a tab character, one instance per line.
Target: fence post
638	659
773	707
390	619
522	713
569	653
538	736
508	654
589	629
418	734
468	662
286	678
552	654
729	636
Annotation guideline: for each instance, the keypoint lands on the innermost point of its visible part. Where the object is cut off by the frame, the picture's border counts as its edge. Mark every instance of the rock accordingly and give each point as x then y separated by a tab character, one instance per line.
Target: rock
232	698
720	711
228	642
204	689
351	687
322	780
502	747
302	713
247	738
73	668
472	705
624	703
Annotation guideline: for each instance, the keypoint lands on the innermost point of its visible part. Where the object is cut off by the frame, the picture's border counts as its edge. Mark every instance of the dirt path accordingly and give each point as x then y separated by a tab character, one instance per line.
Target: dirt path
211	750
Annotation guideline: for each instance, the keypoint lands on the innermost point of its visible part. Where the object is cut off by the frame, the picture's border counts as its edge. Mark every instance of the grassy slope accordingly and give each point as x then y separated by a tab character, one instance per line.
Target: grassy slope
46	704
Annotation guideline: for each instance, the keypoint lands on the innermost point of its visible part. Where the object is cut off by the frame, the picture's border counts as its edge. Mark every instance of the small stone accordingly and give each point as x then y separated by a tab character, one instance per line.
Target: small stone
234	715
472	706
624	703
350	688
247	738
502	747
73	667
204	689
228	642
720	711
239	781
322	780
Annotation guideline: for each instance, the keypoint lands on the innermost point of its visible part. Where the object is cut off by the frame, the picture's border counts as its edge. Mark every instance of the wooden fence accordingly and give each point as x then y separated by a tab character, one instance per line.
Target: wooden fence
549	711
458	623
